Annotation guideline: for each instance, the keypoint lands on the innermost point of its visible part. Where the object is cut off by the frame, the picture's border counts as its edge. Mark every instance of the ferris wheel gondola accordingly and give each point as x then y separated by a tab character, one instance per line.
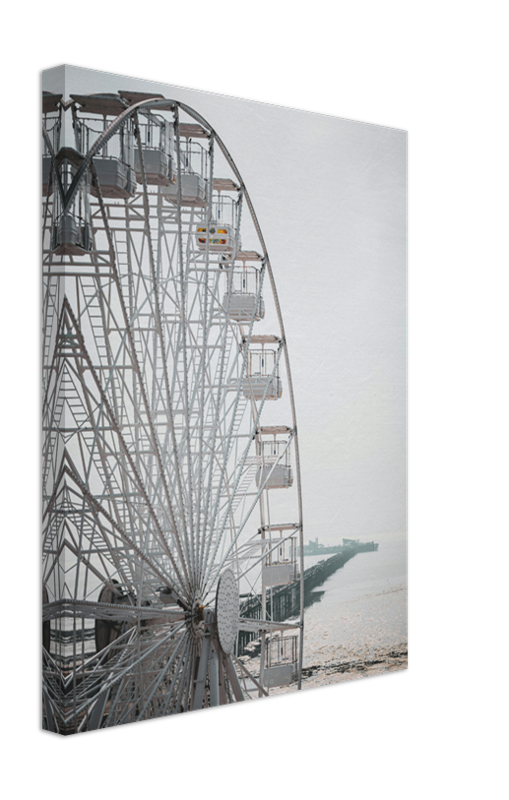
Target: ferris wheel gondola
169	422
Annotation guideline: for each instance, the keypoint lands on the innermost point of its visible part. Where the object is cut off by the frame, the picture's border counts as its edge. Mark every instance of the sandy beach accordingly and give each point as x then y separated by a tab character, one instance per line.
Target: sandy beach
337	672
379	662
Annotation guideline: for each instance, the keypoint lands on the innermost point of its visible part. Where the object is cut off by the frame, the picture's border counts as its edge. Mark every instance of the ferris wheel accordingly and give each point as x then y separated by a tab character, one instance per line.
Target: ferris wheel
171	484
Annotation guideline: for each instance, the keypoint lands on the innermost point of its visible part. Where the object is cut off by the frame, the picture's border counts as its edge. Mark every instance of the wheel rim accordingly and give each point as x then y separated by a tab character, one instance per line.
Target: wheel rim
161	449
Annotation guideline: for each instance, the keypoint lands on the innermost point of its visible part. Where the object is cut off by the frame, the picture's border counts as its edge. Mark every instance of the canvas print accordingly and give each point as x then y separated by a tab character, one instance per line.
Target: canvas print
224	400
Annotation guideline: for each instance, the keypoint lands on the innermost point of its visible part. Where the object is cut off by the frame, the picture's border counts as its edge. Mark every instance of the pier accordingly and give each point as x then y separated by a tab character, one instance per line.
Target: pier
284	602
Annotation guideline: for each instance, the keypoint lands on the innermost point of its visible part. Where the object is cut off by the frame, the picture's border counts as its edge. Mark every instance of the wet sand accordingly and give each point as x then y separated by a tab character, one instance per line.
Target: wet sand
336	672
379	662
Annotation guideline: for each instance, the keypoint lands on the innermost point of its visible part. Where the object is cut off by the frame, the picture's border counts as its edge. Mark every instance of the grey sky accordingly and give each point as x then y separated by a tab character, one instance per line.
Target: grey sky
330	195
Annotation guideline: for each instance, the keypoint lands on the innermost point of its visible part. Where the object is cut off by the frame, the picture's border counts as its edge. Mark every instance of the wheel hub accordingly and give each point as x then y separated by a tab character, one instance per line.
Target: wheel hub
227	610
197	617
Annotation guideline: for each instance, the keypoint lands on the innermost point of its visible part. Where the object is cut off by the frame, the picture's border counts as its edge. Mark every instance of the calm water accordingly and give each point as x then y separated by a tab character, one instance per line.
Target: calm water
364	606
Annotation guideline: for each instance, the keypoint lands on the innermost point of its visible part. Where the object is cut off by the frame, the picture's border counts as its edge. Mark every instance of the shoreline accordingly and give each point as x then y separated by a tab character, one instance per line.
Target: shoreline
379	663
329	673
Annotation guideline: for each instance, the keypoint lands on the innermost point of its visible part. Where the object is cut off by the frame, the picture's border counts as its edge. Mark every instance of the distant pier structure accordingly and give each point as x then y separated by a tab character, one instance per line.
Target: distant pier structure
283	603
316	548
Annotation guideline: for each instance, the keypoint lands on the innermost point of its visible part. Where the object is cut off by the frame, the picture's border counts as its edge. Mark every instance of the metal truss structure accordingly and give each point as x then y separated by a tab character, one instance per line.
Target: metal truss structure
171	484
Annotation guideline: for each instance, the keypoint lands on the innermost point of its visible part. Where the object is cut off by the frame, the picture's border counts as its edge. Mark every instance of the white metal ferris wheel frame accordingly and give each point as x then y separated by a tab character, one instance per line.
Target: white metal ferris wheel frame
210	632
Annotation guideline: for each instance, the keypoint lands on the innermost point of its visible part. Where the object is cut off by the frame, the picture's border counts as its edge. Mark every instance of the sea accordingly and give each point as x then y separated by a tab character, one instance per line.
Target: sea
362	611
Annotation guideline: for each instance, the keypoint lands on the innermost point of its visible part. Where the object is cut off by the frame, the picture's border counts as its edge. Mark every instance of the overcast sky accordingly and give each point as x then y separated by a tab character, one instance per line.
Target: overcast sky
330	195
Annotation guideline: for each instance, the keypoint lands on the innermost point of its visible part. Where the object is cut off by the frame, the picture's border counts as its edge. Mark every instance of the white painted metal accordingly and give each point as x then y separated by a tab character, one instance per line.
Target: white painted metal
152	447
227	610
242	307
